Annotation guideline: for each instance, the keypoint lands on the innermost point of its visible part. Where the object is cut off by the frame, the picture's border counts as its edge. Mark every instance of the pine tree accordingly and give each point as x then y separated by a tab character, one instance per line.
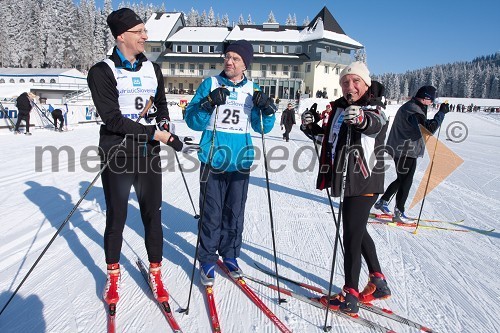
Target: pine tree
270	18
211	18
249	20
241	20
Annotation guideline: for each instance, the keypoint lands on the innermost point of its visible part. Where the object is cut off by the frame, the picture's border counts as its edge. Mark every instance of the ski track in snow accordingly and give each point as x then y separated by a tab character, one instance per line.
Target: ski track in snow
446	280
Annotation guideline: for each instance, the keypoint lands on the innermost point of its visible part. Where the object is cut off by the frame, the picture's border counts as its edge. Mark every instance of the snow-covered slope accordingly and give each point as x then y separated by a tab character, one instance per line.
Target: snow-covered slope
447	280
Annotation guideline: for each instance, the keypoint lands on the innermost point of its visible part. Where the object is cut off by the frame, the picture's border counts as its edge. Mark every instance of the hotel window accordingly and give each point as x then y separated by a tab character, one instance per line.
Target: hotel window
21	81
337	70
335	92
286	49
52	81
155	49
190	48
41	81
200	49
191	68
327	69
285	69
2	81
308	68
212	66
273	69
211	49
181	68
309	48
200	69
327	48
261	48
172	69
178	48
274	49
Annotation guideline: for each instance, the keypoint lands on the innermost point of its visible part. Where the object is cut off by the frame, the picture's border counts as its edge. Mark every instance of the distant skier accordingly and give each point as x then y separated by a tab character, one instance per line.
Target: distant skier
24	104
57	114
405	144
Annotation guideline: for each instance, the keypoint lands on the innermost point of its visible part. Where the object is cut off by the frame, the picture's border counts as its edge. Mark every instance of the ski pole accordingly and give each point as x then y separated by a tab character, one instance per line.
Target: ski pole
196	215
427	184
327	328
280	300
337	223
202	211
141	115
172	130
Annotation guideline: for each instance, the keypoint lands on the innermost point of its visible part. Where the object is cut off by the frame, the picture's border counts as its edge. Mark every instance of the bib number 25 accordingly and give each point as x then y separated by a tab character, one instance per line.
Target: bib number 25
231	116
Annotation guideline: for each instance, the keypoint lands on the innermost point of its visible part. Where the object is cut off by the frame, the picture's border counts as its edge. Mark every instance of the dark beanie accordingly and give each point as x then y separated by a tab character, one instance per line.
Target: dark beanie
122	20
426	92
244	49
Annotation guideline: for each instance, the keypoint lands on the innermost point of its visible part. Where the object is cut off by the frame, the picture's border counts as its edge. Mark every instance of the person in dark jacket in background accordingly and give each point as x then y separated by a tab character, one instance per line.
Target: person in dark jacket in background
57	114
287	121
121	87
361	109
405	144
24	105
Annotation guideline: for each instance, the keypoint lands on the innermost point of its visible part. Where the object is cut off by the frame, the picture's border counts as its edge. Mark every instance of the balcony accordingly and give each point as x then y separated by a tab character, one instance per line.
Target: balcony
268	74
334	57
196	73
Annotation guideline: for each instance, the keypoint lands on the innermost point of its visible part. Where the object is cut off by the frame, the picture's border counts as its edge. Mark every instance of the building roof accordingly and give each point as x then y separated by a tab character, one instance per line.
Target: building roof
200	34
70	72
160	25
318	31
329	22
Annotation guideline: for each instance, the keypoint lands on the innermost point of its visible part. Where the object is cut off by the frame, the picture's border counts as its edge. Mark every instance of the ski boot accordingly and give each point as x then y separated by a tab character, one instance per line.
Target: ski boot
376	289
156	283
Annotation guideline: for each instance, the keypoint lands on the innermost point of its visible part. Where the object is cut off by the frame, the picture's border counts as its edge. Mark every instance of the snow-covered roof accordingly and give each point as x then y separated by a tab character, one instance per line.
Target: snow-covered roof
318	32
290	35
200	34
41	72
258	34
159	25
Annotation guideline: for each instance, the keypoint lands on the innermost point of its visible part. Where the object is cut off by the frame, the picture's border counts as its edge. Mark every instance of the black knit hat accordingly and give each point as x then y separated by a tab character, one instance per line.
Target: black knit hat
122	20
427	92
244	49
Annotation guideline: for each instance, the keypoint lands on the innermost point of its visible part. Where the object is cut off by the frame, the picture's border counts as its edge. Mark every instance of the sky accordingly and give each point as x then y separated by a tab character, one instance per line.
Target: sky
435	275
398	36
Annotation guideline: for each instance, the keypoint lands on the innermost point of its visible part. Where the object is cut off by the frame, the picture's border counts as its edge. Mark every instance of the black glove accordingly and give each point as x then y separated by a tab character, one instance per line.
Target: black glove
444	108
163	124
264	103
216	97
174	142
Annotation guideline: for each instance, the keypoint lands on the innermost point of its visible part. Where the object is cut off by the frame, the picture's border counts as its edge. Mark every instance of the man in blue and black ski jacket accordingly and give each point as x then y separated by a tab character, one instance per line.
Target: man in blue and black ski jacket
226	108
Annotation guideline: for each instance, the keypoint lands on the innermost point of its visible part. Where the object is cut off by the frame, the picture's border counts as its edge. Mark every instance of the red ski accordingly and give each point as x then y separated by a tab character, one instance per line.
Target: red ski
214	318
240	282
164	306
111	318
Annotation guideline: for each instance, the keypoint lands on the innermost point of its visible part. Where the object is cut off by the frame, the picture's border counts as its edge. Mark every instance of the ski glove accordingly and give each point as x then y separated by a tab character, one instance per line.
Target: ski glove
174	142
354	115
264	103
307	118
444	108
215	98
163	124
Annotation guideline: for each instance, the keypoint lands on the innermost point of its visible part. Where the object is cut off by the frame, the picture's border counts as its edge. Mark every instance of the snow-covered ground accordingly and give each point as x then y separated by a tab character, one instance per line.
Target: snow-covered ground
447	280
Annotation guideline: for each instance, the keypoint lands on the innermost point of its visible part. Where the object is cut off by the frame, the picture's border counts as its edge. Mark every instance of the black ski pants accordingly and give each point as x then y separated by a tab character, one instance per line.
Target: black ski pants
288	129
20	117
144	174
357	241
405	169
